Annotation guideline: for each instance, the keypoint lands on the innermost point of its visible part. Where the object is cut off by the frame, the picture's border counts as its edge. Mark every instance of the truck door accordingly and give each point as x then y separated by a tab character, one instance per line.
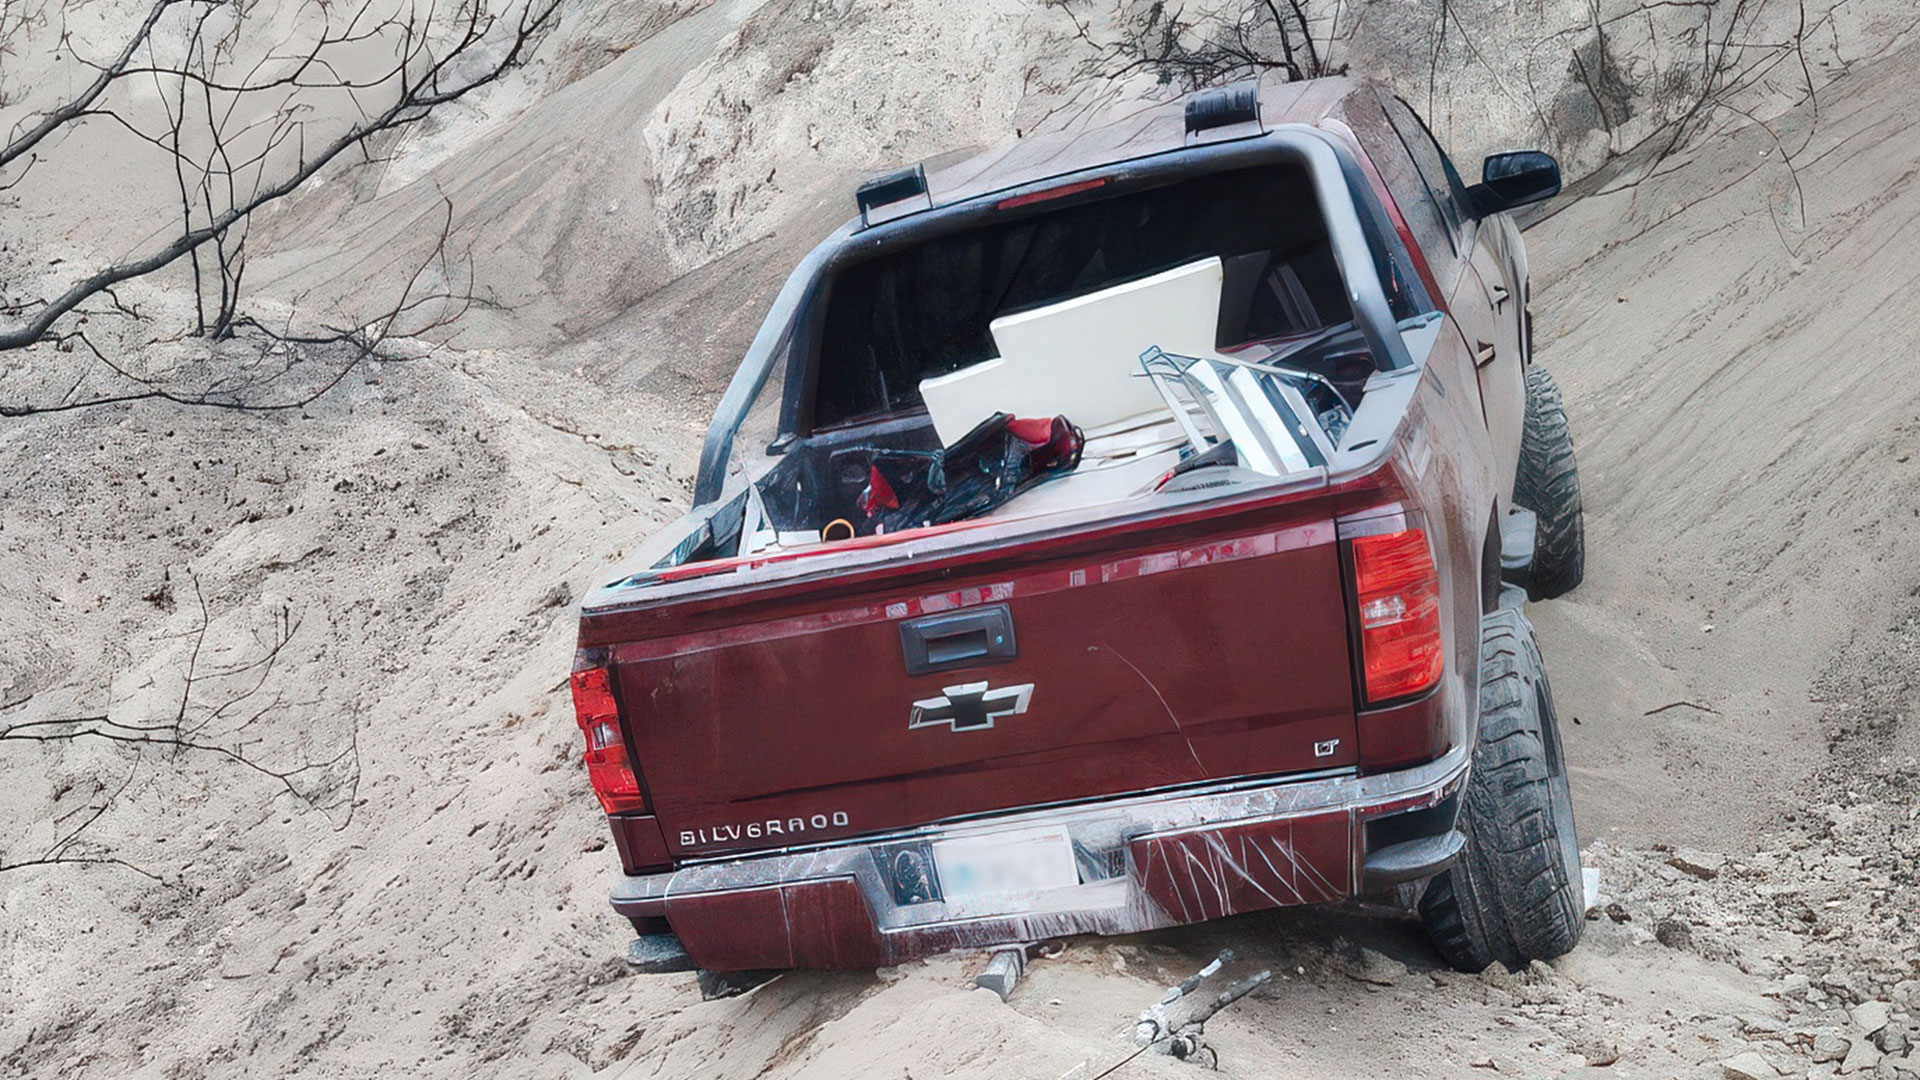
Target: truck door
1478	294
1488	298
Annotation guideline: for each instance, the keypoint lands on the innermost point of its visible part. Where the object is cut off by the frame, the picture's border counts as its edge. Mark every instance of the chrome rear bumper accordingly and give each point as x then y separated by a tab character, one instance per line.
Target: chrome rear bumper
1143	862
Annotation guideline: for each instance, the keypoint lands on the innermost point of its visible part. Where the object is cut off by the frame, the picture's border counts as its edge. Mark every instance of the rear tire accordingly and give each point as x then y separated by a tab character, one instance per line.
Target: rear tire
1515	893
1548	484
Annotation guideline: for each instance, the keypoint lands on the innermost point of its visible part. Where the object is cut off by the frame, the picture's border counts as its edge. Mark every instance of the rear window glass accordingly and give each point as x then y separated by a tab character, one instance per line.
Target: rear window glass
924	311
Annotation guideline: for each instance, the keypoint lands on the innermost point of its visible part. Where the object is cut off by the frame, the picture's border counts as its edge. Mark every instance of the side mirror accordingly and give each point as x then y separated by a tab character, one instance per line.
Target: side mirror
1516	179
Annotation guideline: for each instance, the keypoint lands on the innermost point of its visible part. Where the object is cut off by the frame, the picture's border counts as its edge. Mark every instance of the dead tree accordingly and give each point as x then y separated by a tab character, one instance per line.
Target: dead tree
255	366
1222	43
241	123
1738	58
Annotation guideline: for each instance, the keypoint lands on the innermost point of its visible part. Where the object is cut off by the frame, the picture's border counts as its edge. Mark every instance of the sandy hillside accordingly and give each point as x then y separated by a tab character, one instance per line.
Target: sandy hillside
1737	670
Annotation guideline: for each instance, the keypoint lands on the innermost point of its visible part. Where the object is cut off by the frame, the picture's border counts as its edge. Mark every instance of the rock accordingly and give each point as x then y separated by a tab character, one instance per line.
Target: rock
1862	1058
1697	864
1597	1052
1674	933
1794	984
1497	974
1377	969
1892	1040
1869	1016
1830	1046
1748	1066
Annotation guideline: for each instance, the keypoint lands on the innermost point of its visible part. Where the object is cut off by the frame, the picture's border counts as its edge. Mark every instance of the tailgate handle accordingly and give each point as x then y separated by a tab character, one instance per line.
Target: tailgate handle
958	639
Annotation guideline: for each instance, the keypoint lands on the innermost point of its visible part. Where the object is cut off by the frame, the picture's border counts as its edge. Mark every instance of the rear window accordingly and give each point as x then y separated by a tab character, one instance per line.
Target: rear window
924	311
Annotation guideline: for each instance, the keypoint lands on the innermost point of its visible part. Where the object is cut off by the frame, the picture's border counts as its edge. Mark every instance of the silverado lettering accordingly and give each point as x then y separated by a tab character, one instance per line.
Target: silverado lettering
755	830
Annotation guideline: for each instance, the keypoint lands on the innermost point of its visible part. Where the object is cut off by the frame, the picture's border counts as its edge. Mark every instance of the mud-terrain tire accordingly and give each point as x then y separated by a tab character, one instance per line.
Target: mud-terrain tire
1515	893
1548	484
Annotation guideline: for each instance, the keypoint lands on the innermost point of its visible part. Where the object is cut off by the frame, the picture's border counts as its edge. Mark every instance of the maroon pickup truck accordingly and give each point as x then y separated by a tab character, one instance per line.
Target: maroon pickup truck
1122	528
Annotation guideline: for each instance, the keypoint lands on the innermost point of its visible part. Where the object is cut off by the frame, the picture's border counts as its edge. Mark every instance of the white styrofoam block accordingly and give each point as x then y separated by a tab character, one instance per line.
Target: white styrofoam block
1080	358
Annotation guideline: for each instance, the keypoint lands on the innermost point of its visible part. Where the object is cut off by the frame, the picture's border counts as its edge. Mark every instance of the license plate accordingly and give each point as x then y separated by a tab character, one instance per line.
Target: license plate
1005	862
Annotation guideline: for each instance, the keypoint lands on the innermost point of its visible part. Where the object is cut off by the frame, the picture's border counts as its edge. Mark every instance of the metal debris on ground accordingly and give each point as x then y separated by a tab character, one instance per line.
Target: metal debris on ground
1003	972
1008	964
1178	1033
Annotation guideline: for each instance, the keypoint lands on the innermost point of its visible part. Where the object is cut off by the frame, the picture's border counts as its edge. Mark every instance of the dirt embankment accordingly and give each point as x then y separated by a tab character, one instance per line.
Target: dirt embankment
1736	673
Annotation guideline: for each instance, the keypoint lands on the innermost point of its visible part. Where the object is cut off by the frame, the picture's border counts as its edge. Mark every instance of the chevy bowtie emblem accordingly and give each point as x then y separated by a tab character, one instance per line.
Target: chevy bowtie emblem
972	707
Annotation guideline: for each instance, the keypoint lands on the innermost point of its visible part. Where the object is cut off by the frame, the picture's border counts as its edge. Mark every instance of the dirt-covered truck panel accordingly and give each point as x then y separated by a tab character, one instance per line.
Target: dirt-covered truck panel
1096	538
1126	680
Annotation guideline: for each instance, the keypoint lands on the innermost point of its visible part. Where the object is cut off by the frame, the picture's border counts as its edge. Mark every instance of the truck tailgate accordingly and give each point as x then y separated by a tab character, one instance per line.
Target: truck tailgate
1158	664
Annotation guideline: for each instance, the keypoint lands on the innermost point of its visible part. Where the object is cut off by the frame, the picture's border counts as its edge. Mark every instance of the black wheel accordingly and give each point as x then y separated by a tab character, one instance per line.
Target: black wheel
1549	485
1515	893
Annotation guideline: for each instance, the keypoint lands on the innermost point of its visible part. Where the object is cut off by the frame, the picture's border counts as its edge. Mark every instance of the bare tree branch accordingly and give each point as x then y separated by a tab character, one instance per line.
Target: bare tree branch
1257	37
418	309
64	114
439	58
223	712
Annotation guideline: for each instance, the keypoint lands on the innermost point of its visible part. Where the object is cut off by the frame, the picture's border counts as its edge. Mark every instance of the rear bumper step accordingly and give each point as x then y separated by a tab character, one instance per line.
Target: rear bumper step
1141	863
1413	860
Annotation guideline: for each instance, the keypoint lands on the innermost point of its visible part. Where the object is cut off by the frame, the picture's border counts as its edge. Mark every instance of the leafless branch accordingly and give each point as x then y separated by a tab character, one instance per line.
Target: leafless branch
222	712
436	293
1192	51
242	135
66	113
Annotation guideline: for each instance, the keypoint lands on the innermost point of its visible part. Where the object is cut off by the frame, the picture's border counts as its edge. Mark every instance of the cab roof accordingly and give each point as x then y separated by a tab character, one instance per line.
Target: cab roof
1122	133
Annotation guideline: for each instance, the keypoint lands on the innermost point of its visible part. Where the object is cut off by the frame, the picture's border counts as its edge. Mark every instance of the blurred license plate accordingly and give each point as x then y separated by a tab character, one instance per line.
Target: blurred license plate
1005	862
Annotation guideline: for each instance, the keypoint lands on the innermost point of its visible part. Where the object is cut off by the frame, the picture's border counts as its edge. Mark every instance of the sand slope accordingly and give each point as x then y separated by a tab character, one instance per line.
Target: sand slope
1730	335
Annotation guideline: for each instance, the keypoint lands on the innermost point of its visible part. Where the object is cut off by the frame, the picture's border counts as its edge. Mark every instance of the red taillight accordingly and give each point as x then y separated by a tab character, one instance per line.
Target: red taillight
1059	192
1397	595
607	766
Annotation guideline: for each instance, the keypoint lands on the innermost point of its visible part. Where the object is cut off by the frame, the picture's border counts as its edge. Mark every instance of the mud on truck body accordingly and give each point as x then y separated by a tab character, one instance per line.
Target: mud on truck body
1240	628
